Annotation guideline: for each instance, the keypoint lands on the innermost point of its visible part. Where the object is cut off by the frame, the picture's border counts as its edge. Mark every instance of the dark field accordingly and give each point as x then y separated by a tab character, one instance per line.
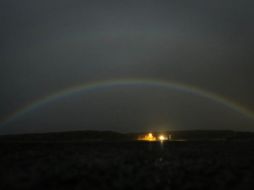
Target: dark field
127	165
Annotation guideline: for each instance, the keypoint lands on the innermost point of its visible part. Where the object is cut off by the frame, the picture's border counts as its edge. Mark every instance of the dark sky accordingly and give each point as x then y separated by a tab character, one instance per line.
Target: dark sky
49	45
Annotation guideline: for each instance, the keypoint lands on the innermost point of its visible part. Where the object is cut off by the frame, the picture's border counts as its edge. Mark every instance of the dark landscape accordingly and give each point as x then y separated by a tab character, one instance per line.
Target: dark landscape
126	163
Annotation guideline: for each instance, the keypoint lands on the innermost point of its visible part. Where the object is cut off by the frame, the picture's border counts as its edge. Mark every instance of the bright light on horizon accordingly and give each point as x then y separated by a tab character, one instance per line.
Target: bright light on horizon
162	138
151	137
148	137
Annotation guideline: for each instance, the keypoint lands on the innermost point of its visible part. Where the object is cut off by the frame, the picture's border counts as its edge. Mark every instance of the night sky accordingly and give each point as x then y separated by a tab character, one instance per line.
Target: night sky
47	46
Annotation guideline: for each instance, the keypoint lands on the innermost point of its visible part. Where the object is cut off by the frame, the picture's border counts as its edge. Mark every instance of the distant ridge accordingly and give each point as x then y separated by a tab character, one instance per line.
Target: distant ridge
88	135
94	136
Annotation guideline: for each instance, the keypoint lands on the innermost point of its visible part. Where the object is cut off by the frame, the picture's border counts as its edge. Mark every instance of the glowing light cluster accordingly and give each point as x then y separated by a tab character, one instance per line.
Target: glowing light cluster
151	137
148	137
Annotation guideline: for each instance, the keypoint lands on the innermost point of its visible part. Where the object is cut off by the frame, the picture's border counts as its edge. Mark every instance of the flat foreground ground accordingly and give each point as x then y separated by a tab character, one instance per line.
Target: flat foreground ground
127	165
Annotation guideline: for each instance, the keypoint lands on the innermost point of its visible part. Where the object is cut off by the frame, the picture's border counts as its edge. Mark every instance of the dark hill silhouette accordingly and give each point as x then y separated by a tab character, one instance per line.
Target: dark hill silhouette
79	136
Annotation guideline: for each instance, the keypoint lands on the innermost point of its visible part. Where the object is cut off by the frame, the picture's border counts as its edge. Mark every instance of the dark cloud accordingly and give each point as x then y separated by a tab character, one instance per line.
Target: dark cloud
47	46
